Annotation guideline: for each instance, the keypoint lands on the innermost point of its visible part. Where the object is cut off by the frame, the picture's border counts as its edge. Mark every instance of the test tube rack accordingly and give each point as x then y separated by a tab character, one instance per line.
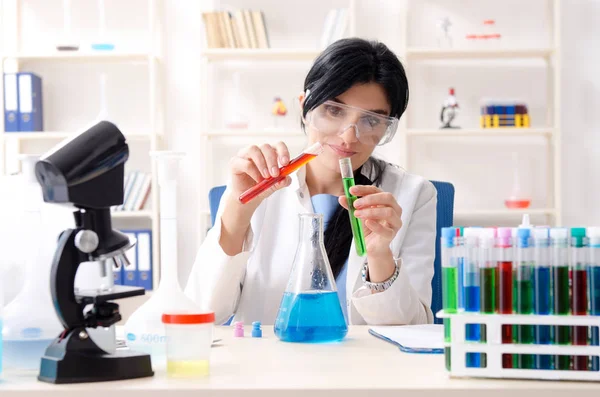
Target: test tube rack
494	348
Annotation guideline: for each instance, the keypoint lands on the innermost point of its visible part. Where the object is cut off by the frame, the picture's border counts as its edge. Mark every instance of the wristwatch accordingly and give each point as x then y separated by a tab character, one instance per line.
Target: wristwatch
383	285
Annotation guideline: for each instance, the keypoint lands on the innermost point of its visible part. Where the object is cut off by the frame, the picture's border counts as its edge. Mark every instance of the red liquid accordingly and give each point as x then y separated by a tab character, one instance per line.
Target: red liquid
505	305
284	171
517	203
580	303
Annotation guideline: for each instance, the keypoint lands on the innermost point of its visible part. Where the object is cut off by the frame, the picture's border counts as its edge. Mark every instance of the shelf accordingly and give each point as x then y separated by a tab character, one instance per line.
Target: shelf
504	212
434	53
81	56
266	54
132	214
254	132
50	135
480	132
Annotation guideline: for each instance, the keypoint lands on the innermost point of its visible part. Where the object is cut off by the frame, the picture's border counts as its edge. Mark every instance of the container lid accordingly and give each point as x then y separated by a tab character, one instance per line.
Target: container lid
559	233
577	236
188	318
541	232
448	233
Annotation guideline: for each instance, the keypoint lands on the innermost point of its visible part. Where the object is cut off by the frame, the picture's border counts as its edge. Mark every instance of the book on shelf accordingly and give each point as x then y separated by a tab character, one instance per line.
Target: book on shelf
334	27
136	191
235	29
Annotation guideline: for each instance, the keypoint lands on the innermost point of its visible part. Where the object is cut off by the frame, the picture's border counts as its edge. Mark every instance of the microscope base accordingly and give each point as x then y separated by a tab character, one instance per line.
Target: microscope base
76	360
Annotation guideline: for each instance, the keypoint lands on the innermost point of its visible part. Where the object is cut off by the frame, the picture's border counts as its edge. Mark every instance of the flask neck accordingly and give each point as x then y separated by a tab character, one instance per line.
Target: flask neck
311	229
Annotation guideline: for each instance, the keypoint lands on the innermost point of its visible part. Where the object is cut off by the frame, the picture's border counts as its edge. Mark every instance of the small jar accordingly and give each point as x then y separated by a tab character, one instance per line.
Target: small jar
188	340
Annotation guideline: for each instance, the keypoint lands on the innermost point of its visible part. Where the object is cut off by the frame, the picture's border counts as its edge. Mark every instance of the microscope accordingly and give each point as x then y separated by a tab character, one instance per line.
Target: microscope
87	172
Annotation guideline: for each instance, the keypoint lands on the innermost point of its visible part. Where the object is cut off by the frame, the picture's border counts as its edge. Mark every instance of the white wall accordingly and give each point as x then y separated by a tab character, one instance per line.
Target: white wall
298	24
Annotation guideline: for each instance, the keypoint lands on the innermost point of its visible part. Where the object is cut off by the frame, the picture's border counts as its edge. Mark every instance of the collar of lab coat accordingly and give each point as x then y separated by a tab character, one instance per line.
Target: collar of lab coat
355	262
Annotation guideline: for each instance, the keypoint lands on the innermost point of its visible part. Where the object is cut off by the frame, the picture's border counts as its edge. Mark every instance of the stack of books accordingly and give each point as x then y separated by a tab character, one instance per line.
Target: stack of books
238	29
136	191
500	114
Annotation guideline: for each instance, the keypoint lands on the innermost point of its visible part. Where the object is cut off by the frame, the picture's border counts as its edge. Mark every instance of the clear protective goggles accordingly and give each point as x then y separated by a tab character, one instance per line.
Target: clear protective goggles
333	118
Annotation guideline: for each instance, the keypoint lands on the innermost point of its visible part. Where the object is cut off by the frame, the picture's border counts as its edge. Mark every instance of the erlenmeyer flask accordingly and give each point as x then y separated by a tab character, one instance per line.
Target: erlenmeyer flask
310	310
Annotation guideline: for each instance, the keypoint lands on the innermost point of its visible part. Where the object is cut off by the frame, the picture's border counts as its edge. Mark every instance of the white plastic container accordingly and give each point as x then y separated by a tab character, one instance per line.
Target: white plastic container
144	331
189	339
30	320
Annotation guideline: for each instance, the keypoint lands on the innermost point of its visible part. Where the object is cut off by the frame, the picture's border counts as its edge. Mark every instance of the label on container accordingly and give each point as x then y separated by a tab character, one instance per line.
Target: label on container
146	338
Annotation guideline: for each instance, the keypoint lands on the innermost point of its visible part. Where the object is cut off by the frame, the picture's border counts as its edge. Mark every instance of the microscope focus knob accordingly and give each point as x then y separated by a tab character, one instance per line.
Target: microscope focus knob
86	241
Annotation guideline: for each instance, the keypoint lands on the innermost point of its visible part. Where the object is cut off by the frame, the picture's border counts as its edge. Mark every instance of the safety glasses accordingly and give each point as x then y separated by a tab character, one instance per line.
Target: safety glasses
333	118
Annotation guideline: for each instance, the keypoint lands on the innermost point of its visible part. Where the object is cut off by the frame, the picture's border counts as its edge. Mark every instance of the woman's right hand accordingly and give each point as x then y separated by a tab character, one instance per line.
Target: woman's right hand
251	165
256	163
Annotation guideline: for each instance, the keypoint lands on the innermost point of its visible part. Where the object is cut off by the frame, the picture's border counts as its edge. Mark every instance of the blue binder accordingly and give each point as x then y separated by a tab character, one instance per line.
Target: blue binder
30	103
118	274
130	273
11	102
145	259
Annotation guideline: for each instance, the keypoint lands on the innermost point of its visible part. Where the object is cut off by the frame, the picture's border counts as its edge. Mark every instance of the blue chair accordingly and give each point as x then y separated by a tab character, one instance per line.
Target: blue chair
214	198
445	218
445	214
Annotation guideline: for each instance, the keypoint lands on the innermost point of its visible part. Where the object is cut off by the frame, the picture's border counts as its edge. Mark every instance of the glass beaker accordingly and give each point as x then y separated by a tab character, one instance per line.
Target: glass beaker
310	310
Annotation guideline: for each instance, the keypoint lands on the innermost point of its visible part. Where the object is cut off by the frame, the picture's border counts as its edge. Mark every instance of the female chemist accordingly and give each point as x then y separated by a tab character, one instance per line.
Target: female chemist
354	95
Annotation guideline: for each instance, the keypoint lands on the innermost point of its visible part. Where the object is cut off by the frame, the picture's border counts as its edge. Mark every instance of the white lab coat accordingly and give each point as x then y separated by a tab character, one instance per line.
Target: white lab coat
251	284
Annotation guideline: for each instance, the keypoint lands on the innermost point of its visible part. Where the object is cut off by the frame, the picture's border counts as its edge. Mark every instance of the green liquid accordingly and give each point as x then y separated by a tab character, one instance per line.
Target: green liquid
487	280
449	296
525	333
562	334
488	296
447	351
356	225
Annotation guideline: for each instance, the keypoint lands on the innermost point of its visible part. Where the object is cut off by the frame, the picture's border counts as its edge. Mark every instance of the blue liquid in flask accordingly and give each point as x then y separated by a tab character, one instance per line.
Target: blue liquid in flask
1	343
311	317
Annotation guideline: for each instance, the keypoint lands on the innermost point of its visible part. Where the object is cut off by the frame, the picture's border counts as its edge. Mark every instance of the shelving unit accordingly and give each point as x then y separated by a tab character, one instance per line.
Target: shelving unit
267	54
215	56
442	54
239	133
83	56
551	134
12	142
481	132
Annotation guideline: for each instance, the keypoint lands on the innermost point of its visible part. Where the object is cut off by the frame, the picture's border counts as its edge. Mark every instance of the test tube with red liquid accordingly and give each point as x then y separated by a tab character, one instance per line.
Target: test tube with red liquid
579	251
505	286
308	154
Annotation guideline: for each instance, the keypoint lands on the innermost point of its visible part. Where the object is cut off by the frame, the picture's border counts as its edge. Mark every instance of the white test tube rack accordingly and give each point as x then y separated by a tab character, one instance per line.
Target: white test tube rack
494	348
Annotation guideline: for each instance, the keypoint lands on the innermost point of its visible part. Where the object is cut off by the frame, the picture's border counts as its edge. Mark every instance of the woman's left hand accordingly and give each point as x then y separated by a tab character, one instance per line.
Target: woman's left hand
380	214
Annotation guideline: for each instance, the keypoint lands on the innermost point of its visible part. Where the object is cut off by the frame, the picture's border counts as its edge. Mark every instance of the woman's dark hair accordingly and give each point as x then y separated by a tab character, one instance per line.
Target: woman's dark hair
343	64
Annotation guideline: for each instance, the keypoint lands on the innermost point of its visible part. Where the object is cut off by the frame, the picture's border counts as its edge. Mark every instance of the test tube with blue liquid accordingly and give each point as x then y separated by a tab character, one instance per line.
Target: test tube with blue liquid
559	246
542	292
460	257
471	290
524	294
593	234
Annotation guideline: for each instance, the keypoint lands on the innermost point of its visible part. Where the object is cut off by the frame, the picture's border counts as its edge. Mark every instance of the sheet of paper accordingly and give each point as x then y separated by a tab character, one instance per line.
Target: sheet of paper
414	337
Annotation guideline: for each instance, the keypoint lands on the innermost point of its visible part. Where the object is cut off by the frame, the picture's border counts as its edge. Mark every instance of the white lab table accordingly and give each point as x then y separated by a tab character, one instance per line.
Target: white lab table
359	366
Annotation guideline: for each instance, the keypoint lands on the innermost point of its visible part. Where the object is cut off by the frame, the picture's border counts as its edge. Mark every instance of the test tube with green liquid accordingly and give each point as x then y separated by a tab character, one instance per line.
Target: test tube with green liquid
449	284
524	295
559	243
355	224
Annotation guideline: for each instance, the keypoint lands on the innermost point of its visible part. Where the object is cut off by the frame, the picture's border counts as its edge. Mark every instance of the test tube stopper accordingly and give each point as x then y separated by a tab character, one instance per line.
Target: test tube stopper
238	330
256	330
